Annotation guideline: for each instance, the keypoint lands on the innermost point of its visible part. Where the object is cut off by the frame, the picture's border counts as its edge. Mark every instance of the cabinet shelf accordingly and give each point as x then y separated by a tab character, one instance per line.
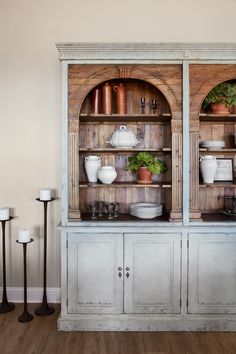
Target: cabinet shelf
218	184
125	150
118	118
124	185
209	117
124	217
218	217
220	151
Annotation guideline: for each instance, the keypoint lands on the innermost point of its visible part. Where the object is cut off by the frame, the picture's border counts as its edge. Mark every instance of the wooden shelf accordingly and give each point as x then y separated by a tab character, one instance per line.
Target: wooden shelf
220	151
218	184
118	150
123	217
118	118
84	184
209	117
218	217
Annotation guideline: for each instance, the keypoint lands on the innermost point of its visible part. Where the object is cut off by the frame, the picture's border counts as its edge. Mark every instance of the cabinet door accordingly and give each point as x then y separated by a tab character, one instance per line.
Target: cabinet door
94	282
212	273
152	273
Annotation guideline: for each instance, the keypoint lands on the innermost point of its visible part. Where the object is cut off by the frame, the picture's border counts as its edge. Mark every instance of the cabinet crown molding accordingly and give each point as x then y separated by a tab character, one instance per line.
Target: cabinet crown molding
146	51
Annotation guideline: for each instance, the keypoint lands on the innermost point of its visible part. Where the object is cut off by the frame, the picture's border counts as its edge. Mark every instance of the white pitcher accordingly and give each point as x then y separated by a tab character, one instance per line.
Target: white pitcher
107	174
208	166
92	164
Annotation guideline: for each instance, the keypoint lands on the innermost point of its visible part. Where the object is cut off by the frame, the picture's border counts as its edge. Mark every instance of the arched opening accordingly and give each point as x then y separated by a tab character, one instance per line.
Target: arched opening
135	89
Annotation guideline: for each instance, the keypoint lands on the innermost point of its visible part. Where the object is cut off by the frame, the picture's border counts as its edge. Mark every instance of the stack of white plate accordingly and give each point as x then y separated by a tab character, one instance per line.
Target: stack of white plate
213	144
146	210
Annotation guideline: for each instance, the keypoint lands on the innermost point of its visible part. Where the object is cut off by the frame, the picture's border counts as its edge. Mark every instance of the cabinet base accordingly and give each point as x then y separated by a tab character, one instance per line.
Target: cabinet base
146	323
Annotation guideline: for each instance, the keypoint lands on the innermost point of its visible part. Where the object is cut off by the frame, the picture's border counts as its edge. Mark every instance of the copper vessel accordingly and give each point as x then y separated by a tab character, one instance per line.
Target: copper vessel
120	98
96	101
107	98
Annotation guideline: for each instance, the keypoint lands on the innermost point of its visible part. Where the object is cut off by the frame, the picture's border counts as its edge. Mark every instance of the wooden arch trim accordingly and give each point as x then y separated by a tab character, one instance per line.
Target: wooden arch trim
152	74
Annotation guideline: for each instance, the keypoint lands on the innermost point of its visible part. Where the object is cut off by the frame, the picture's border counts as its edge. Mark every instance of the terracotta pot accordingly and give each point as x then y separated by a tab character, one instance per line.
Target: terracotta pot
144	176
120	98
219	108
107	98
233	109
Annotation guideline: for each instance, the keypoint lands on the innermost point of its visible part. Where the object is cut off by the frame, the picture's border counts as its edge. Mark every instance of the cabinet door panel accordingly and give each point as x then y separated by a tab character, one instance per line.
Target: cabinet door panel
93	282
212	273
153	285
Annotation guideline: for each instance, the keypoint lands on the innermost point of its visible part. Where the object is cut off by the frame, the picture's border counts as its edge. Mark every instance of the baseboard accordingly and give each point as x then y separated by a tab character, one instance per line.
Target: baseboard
34	295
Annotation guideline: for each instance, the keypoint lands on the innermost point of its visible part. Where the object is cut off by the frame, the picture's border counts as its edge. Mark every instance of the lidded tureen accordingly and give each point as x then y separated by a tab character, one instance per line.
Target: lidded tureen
124	138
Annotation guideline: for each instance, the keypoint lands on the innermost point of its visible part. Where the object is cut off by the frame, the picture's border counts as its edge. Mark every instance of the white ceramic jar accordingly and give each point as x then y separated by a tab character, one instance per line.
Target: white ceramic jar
208	166
92	164
107	174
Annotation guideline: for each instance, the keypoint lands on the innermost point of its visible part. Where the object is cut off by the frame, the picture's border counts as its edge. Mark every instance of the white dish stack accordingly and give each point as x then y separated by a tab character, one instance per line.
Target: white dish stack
146	210
213	144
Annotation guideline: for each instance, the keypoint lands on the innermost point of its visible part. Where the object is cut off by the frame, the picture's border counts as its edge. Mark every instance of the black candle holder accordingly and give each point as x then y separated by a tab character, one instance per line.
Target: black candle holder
45	309
26	316
5	305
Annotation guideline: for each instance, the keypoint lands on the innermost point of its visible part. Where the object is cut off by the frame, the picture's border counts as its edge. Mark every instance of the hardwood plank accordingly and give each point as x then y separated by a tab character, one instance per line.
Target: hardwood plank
40	336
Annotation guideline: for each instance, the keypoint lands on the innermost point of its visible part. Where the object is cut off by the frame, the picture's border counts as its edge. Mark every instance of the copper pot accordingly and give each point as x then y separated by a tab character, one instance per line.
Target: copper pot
96	101
107	98
120	98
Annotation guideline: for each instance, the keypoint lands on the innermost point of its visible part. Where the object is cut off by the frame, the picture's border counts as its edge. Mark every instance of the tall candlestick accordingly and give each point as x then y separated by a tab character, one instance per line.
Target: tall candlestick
5	306
4	214
45	309
26	316
45	194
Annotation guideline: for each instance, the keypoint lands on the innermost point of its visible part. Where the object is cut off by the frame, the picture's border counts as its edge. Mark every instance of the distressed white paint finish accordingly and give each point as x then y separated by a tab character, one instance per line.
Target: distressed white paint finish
93	282
146	51
147	323
152	263
212	273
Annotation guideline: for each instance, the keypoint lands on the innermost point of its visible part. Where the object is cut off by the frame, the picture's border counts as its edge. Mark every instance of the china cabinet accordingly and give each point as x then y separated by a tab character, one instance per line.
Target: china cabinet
120	272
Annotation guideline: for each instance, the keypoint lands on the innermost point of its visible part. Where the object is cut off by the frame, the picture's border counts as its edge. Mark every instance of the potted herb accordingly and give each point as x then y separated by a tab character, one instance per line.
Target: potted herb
145	164
220	98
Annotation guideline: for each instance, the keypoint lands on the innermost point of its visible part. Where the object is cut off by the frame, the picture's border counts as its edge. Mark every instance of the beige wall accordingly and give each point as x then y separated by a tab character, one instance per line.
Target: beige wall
30	94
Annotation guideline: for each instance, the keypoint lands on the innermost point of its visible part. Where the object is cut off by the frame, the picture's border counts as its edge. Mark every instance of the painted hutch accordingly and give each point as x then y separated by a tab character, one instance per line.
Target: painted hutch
174	272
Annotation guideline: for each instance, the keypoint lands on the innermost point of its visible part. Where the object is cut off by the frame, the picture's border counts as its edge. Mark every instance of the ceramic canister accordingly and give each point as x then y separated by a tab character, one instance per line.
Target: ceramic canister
92	164
107	174
208	166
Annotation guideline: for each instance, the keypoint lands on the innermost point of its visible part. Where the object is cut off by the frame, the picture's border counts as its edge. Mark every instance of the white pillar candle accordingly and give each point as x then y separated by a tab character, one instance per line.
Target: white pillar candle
45	194
24	236
4	214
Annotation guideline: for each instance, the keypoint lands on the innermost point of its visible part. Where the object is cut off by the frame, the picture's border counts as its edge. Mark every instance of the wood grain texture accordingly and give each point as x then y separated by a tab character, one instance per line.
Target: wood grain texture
162	82
203	78
41	337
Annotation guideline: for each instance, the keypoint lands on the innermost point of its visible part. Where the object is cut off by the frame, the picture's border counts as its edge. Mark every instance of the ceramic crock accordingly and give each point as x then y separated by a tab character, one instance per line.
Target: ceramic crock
92	164
107	174
208	166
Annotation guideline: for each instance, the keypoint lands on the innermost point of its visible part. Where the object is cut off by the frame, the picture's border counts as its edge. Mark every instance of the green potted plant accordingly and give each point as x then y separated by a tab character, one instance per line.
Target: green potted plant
145	164
220	98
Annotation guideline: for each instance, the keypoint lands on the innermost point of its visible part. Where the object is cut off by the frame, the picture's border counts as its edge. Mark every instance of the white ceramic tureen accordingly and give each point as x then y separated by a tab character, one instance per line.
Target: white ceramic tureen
124	138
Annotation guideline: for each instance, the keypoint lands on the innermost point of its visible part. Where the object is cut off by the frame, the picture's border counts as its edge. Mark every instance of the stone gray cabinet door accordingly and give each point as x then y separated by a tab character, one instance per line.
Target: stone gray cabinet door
95	277
152	273
212	273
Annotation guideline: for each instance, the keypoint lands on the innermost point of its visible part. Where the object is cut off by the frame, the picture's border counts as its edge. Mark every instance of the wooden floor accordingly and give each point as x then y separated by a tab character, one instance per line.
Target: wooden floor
41	337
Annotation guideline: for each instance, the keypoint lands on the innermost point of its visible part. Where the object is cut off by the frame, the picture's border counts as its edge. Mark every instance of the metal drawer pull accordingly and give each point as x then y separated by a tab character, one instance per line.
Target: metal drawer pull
127	268
127	275
119	268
